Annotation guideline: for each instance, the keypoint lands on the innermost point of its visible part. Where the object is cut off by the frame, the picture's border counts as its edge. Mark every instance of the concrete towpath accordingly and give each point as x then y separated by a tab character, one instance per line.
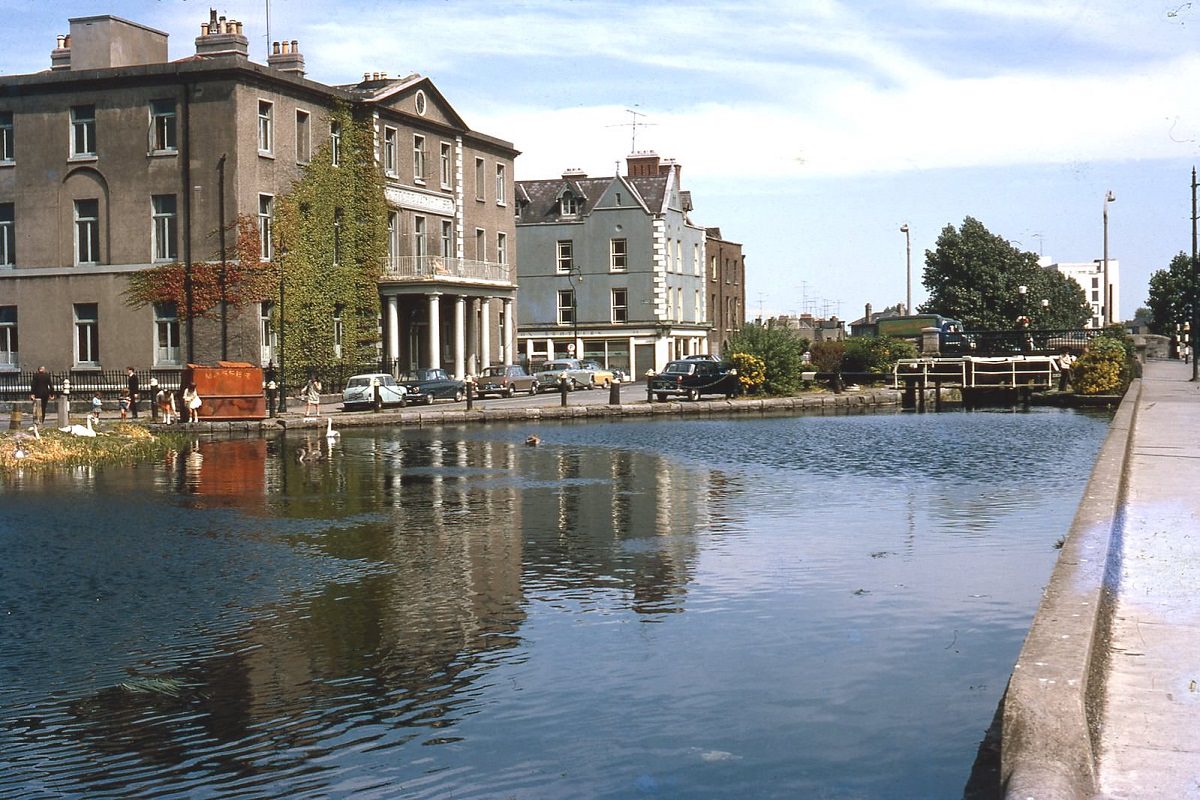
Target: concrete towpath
1149	743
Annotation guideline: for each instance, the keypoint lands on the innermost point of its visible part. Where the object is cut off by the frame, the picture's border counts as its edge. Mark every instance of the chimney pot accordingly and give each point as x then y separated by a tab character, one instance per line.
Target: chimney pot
295	46
275	48
204	29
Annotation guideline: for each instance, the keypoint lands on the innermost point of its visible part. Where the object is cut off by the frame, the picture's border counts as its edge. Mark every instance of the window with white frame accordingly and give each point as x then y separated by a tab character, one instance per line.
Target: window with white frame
266	218
389	151
565	258
712	267
418	158
420	242
9	350
165	226
480	244
447	239
8	235
699	306
303	137
568	205
266	132
393	247
335	142
87	334
162	126
618	255
697	262
620	305
679	304
338	330
502	249
83	131
501	185
566	306
447	166
268	339
87	231
6	137
337	237
679	256
480	178
166	334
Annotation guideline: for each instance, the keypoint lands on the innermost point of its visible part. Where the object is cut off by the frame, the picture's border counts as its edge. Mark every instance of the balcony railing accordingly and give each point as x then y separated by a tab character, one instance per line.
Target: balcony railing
434	267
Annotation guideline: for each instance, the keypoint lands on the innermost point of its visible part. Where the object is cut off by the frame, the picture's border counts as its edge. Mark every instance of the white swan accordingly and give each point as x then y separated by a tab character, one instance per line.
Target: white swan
80	430
330	433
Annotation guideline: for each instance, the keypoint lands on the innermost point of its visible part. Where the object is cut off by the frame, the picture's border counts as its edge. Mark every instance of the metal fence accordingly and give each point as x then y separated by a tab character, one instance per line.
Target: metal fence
1030	342
110	384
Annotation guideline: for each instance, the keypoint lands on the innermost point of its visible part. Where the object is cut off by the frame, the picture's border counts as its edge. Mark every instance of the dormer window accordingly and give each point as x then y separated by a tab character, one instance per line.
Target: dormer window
568	205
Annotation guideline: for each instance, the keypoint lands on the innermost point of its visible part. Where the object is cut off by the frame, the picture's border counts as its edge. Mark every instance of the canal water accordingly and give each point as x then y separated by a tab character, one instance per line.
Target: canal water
818	607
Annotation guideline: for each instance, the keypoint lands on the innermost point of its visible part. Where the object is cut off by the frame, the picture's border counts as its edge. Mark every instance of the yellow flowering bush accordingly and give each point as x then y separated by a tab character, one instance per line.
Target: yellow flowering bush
752	371
1103	369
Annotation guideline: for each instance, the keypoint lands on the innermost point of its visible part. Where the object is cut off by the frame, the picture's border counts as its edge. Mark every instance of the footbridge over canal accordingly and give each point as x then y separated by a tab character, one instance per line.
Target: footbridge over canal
1104	700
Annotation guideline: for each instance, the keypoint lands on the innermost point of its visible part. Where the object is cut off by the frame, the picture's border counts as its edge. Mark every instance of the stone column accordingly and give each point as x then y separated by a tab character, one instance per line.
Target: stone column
460	336
393	332
472	338
485	333
510	341
435	330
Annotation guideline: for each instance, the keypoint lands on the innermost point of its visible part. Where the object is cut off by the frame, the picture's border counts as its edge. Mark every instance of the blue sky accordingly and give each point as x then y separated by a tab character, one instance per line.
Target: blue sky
808	131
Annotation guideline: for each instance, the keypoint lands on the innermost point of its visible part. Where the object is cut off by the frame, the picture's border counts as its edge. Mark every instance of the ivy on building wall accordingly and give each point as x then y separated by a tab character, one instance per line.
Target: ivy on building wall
330	237
243	279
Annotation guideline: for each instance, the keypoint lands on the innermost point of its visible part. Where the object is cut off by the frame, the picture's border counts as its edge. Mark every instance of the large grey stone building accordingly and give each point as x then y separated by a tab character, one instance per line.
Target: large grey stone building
116	159
614	269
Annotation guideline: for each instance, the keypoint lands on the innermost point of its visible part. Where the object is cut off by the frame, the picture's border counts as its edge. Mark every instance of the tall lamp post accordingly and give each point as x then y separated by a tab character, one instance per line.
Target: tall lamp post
572	274
907	269
1107	316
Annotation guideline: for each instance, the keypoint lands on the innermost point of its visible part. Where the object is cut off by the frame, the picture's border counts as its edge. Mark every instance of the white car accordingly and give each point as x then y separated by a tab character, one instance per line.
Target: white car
360	391
578	376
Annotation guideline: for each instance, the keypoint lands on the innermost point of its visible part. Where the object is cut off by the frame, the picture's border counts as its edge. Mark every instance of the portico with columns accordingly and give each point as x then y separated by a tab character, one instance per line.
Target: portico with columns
457	327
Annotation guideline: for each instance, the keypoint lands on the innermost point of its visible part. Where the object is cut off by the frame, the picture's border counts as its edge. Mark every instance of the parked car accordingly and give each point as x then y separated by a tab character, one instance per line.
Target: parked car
702	357
692	378
601	375
578	376
427	385
619	374
360	391
505	381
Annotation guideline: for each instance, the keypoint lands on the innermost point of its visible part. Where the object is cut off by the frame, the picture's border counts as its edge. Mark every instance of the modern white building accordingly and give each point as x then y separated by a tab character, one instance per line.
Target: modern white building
1090	276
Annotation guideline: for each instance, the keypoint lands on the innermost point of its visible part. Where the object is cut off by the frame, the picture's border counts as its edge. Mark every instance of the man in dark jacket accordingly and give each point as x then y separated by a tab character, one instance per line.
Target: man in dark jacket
40	389
133	390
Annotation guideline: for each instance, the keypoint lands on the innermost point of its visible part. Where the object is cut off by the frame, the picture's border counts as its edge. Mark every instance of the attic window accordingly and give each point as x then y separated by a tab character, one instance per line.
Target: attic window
420	101
568	205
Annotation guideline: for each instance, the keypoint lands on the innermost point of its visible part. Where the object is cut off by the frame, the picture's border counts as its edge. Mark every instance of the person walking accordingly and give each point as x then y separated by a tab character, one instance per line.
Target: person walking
132	383
312	396
40	389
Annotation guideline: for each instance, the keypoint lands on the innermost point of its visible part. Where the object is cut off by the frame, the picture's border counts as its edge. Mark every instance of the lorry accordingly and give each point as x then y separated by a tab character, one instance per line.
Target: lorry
950	331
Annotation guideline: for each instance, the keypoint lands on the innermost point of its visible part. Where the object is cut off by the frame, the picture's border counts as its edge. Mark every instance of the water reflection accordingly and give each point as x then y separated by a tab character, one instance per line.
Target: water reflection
627	608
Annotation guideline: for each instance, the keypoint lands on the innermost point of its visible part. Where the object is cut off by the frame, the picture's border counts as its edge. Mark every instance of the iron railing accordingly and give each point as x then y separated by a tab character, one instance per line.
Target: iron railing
1029	342
434	267
110	384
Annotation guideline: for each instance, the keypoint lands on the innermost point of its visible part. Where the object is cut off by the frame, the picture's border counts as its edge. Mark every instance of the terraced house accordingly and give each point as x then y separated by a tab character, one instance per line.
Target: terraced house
117	159
614	269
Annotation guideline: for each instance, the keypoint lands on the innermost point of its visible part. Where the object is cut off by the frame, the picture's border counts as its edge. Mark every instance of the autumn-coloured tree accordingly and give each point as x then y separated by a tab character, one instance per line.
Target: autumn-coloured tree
243	279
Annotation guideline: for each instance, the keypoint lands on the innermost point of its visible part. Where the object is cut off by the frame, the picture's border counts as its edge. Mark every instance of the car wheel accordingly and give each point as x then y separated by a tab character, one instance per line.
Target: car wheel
533	387
607	383
459	395
693	394
662	398
508	392
427	399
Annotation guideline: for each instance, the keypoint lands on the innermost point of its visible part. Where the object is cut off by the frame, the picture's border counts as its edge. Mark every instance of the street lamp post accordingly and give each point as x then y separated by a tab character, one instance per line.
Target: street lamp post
907	269
1107	315
575	272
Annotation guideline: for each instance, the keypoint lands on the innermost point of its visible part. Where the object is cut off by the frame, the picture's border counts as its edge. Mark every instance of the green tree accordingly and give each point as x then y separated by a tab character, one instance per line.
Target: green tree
781	351
876	354
974	275
1172	295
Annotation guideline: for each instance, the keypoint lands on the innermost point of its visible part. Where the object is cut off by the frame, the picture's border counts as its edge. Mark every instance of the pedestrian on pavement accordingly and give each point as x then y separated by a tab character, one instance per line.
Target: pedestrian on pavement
40	389
1064	369
191	403
312	396
97	406
166	404
132	383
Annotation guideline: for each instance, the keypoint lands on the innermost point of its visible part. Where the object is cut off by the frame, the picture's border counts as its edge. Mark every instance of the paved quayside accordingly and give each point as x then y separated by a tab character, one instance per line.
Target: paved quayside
1105	698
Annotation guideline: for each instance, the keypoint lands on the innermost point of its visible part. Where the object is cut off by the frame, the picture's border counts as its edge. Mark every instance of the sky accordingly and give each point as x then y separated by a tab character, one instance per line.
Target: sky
807	130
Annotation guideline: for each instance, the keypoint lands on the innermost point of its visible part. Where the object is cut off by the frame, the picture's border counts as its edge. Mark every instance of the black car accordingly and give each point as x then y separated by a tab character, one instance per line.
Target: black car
692	378
427	385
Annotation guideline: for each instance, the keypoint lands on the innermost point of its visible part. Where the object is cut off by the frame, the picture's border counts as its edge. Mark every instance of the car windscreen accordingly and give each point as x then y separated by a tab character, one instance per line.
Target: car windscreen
679	368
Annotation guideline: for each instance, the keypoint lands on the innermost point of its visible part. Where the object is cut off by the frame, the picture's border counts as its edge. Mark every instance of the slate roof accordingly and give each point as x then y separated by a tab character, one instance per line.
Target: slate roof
540	197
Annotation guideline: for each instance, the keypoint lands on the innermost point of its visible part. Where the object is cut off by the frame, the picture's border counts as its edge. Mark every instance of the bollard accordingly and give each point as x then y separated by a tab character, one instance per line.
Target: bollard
272	390
614	393
649	387
153	399
377	400
470	387
64	409
562	390
14	420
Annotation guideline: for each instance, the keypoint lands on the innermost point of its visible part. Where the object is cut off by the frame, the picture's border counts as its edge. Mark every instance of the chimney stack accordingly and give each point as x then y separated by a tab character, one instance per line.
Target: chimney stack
642	165
286	57
60	57
220	36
